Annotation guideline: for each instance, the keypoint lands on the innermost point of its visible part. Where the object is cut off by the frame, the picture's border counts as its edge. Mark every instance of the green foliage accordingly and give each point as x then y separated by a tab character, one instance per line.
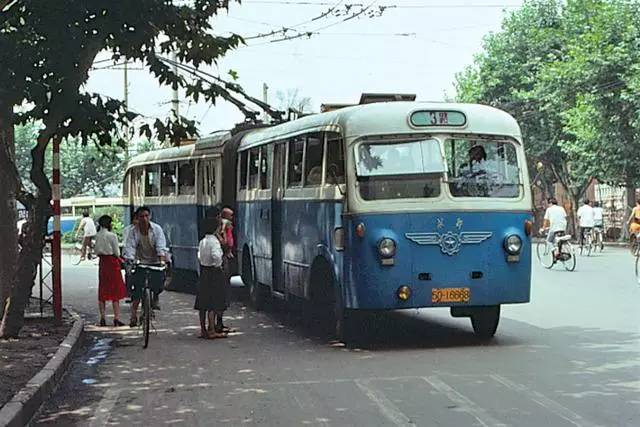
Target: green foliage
117	215
569	72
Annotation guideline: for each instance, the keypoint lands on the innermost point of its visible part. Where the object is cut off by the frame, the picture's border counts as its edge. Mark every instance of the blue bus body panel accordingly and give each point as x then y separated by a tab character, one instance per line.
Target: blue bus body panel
307	234
180	224
436	250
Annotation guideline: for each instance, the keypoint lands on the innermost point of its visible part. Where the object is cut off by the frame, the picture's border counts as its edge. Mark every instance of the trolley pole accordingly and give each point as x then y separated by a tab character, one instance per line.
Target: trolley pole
56	250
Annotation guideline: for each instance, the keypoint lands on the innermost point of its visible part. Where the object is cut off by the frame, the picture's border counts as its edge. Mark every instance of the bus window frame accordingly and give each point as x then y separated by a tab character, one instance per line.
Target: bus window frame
304	156
145	167
175	174
323	145
194	166
239	171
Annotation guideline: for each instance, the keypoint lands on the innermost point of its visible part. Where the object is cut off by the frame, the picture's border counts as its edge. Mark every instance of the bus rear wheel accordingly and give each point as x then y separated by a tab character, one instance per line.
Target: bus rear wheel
485	321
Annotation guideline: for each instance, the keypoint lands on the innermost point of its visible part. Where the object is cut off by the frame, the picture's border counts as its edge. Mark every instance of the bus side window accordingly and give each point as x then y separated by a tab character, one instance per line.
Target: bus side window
335	159
243	170
125	184
254	168
296	154
313	160
152	181
186	178
136	182
168	179
266	159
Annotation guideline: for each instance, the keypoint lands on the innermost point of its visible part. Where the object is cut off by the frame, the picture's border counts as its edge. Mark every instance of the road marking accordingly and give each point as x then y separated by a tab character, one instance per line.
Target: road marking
387	408
463	402
105	407
545	402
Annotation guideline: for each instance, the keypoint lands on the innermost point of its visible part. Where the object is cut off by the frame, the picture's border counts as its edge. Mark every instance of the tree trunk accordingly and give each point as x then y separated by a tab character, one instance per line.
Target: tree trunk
8	212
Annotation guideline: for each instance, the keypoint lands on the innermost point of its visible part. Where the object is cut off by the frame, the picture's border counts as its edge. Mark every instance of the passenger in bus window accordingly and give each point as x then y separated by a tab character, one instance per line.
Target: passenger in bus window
210	299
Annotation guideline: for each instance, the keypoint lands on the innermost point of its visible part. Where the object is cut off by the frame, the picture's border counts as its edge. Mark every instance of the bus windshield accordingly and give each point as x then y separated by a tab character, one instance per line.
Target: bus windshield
482	168
399	170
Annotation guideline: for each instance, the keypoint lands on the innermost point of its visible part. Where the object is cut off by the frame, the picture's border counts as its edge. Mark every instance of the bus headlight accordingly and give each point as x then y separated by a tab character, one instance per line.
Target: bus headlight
513	244
387	248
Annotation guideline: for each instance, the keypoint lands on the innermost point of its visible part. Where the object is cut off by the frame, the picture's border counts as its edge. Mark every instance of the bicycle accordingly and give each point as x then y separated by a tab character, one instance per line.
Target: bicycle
78	250
586	243
598	237
566	252
148	314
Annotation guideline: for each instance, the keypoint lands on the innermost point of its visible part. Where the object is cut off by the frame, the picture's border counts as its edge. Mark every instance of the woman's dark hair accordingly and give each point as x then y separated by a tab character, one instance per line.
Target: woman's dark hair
210	225
105	222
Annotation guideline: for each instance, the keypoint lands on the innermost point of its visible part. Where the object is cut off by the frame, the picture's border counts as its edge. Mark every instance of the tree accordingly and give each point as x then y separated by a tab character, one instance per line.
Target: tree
46	51
293	100
85	169
568	72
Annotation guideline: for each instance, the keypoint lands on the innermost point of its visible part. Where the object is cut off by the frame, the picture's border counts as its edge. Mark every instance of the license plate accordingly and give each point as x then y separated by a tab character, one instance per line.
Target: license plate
443	295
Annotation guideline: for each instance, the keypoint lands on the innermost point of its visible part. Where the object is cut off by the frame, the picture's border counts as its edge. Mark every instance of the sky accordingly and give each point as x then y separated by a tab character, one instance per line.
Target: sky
413	46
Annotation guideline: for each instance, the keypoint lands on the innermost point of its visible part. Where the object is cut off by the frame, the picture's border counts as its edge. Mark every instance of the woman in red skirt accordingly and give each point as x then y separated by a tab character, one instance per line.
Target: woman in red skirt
110	283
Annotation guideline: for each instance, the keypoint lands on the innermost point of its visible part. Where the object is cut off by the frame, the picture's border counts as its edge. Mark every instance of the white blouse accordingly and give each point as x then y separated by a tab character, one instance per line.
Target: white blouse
210	251
106	243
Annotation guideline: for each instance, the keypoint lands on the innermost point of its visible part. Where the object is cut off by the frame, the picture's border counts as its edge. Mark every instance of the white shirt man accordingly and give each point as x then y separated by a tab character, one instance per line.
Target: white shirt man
555	218
597	217
87	226
586	216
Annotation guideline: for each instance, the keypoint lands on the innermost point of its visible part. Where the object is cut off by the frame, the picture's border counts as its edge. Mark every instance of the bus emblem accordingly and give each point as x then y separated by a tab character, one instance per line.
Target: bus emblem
450	241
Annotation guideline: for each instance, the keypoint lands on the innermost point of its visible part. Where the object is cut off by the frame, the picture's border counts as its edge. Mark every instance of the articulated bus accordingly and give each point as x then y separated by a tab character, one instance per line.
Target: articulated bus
384	206
388	206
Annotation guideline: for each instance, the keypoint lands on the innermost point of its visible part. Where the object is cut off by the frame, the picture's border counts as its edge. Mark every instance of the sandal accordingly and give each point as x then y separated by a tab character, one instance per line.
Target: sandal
216	335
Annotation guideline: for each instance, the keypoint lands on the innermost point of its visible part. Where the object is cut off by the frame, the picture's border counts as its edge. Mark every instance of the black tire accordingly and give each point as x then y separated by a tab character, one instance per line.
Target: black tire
146	313
570	264
257	292
637	269
485	321
633	245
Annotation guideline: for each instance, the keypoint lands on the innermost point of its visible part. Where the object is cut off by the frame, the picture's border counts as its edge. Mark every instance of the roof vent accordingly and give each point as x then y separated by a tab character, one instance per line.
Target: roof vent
370	98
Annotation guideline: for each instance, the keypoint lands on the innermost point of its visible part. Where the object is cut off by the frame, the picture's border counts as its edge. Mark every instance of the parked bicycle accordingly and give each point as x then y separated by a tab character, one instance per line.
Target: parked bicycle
148	314
561	251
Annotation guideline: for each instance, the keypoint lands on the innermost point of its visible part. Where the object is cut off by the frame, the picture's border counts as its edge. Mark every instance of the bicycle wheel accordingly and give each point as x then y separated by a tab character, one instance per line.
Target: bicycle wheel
570	263
545	254
589	245
146	313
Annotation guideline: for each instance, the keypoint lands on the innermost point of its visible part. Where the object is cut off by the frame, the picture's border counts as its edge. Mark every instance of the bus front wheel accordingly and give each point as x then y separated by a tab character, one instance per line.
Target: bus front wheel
485	321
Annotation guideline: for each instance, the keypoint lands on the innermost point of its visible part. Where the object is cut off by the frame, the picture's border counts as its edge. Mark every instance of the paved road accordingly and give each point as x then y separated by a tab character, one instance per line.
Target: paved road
570	358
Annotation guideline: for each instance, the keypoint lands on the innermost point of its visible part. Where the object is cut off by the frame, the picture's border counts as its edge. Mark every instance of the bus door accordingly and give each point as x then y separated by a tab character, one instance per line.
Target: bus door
277	215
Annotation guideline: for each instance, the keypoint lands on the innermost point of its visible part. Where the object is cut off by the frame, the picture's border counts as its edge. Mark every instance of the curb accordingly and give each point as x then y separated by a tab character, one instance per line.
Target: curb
26	402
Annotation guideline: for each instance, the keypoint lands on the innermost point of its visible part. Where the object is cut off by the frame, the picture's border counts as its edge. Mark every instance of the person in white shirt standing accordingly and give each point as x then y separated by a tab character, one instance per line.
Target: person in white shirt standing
586	220
211	296
88	228
555	221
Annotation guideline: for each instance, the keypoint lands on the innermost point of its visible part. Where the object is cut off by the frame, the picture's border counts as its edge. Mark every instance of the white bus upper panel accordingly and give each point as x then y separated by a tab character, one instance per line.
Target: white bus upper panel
390	118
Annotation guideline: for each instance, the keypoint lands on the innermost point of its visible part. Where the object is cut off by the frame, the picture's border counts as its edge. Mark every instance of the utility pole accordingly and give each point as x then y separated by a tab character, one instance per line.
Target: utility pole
175	102
265	97
126	108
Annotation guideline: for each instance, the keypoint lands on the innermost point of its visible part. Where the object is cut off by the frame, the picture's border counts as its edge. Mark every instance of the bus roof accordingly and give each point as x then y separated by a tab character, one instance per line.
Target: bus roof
207	145
388	118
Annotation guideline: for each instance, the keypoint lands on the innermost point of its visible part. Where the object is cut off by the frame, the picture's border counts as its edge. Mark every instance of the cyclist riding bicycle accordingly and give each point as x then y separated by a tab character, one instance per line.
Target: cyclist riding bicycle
586	220
145	244
598	220
88	230
555	222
